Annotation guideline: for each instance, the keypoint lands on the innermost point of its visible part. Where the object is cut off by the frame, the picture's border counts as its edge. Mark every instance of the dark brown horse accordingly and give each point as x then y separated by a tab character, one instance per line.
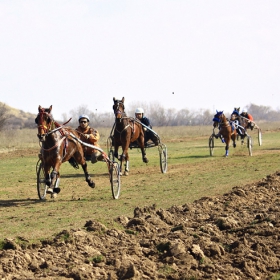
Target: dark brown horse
127	130
241	124
57	146
226	132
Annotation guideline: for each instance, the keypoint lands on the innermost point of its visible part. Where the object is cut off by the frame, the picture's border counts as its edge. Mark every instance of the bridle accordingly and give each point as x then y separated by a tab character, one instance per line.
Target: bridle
218	120
44	122
51	126
119	114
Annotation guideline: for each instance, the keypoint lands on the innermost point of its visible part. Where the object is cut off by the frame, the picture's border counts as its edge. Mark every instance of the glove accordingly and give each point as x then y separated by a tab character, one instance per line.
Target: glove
87	136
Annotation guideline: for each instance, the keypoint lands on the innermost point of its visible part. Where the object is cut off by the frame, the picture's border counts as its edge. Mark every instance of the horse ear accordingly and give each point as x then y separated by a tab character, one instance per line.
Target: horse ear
50	108
114	99
39	108
123	100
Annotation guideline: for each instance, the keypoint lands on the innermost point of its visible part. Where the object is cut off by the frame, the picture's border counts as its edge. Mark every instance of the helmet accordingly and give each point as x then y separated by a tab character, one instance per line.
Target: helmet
139	111
83	117
244	110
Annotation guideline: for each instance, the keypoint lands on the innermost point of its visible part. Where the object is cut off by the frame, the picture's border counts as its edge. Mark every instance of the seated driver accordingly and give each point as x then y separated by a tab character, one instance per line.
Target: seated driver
149	135
249	117
91	136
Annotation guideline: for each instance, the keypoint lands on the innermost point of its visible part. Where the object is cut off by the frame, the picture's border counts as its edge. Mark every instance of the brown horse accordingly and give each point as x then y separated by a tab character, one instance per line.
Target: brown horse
57	146
226	132
127	130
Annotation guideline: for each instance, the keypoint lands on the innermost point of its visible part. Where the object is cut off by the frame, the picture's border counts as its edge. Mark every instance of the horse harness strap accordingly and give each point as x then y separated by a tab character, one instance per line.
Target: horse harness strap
125	128
57	144
226	124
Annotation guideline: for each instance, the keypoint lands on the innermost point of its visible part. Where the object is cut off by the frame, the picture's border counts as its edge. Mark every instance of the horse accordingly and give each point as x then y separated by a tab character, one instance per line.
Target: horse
227	131
57	147
126	131
240	123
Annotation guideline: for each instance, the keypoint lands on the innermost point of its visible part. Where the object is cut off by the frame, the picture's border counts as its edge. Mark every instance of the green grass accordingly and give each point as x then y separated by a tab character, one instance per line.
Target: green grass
192	173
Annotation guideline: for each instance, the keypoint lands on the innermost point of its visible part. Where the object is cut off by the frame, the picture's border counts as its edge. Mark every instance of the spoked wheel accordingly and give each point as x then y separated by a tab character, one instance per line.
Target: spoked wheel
249	144
111	155
109	145
211	145
260	136
163	158
41	181
115	179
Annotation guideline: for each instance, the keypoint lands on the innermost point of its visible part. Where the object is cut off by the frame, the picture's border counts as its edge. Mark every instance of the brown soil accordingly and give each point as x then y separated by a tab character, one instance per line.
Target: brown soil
234	236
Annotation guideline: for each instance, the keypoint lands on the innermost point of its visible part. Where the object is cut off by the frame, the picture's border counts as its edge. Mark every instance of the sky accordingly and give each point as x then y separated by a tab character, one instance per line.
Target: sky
179	54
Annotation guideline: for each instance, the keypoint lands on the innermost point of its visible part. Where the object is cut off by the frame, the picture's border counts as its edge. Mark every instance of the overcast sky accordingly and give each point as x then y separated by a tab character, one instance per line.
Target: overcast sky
213	54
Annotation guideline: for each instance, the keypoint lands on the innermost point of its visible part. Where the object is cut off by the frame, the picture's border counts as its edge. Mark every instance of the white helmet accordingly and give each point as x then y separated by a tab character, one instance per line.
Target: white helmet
83	117
139	111
244	110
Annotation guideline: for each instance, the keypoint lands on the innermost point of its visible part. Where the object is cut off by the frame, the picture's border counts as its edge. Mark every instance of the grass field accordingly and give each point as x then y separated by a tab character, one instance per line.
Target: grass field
192	173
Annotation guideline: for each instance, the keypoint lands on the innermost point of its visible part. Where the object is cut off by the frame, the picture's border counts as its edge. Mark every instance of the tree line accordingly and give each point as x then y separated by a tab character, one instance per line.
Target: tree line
158	115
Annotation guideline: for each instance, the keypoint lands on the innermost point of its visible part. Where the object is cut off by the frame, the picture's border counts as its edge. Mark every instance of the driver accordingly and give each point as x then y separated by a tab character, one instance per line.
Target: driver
149	135
91	136
249	117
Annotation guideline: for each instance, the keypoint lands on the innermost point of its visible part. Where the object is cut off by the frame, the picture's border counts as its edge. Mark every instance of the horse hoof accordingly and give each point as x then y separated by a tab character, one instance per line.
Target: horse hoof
56	190
91	184
50	190
145	160
54	195
126	173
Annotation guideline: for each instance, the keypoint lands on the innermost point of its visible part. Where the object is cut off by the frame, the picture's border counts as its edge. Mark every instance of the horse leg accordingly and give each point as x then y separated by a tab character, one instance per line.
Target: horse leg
54	176
47	175
141	145
116	155
88	178
144	158
125	158
79	157
233	138
226	148
126	170
227	141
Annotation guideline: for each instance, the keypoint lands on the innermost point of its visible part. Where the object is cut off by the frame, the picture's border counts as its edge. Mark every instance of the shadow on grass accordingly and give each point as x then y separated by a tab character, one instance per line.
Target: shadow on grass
193	156
19	202
82	175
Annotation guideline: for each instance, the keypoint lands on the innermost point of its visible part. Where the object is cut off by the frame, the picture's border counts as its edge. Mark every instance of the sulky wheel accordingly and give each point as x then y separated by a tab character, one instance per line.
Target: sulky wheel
111	155
211	145
41	181
115	179
163	158
249	144
109	145
260	136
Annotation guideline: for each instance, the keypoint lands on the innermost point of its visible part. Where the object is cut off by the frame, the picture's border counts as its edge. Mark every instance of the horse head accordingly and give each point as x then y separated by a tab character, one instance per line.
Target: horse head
235	114
118	108
217	118
44	122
